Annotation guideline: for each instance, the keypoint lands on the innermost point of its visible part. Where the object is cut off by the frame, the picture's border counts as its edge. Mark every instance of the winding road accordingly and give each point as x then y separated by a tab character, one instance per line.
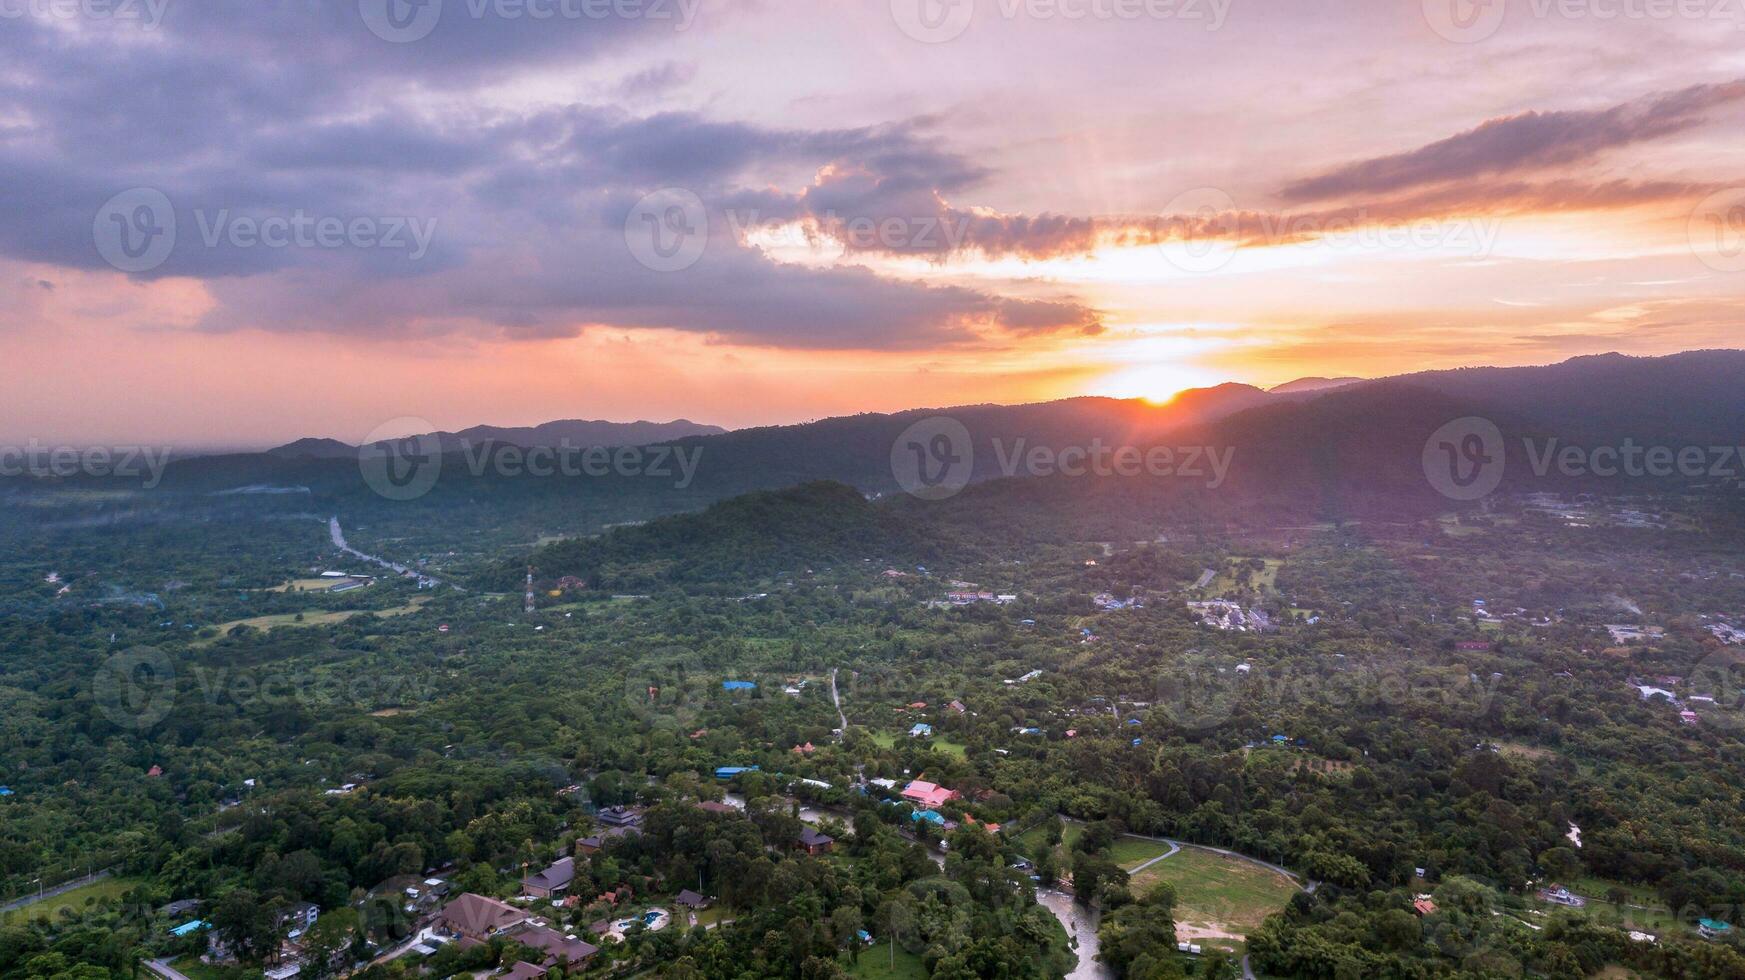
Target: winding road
338	536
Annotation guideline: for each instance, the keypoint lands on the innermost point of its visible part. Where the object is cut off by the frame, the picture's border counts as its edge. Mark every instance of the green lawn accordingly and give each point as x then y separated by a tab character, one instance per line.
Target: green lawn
875	964
1130	852
193	969
1219	900
889	739
77	899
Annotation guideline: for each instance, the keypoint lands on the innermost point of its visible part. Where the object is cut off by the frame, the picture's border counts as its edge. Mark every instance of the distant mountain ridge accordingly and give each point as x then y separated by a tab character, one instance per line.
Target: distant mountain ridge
1312	384
578	433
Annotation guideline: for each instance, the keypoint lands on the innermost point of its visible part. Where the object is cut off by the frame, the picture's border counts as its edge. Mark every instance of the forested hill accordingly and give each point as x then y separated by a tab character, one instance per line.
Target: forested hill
741	540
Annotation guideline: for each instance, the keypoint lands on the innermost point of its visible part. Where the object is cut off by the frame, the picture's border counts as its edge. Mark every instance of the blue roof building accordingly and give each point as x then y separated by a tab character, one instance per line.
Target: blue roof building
190	927
6	791
738	685
931	816
921	730
1137	741
728	772
1280	739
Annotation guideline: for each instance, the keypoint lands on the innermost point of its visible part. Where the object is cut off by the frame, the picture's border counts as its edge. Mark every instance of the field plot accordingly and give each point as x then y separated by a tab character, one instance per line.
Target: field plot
1219	899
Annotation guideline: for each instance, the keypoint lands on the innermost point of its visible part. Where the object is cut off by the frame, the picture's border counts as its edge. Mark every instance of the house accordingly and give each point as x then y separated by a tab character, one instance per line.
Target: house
957	706
806	749
1687	717
557	947
1559	895
552	880
728	772
525	971
154	772
691	900
298	918
927	794
1712	929
188	928
712	806
620	816
921	730
1422	905
738	685
815	842
477	917
590	844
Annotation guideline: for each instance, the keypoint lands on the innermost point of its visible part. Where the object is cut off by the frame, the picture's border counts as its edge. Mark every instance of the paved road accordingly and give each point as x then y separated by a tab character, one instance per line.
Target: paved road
62	889
836	699
163	969
338	536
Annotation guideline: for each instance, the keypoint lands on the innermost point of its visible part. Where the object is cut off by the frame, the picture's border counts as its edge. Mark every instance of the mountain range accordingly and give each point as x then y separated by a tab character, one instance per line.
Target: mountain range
579	433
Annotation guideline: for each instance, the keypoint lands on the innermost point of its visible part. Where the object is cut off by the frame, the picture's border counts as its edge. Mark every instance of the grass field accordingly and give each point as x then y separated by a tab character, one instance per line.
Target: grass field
193	969
1219	900
889	739
875	964
312	618
78	898
1130	852
1264	582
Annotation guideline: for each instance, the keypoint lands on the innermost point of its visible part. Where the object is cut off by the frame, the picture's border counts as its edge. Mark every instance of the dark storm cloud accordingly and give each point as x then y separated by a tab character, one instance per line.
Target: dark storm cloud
248	112
1522	143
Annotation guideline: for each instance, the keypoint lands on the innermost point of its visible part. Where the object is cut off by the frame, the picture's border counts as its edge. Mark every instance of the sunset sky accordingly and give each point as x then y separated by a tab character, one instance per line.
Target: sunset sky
907	203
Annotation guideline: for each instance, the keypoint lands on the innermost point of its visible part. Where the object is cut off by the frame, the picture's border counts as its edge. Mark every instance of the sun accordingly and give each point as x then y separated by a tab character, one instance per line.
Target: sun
1156	382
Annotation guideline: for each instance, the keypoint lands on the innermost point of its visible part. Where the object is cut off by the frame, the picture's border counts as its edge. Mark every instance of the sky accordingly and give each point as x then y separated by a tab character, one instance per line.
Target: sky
228	223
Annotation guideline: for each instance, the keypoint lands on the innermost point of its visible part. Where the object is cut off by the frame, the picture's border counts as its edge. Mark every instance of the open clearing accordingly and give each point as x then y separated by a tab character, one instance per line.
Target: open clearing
1217	898
312	618
875	964
77	899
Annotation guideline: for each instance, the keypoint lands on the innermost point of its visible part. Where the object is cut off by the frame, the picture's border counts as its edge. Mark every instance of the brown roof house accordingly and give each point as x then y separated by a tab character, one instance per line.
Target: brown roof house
691	900
477	917
814	842
525	971
552	880
557	947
